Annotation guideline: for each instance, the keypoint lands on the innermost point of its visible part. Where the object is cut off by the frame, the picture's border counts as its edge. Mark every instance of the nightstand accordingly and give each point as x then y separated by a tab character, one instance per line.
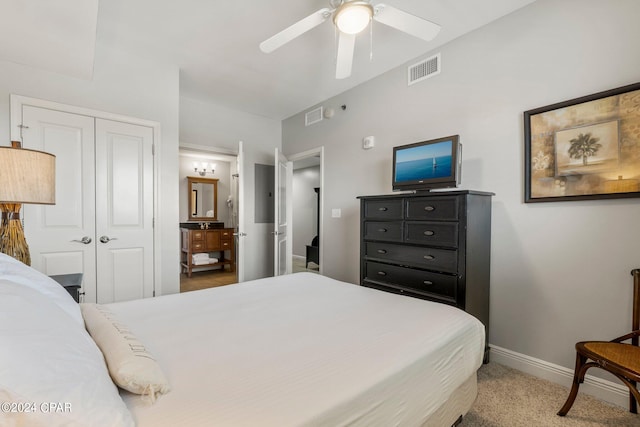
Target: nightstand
71	282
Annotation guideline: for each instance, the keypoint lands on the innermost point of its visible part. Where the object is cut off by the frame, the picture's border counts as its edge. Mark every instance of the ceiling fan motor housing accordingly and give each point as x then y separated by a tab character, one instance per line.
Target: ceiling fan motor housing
352	17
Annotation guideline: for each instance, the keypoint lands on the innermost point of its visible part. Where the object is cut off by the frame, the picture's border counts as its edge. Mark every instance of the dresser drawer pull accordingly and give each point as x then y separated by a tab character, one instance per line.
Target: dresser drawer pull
383	209
382	251
428	282
381	273
429	257
382	230
429	233
429	208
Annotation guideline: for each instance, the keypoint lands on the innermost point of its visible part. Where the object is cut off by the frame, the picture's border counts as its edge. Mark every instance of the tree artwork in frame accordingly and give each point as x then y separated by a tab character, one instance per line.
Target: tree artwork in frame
585	148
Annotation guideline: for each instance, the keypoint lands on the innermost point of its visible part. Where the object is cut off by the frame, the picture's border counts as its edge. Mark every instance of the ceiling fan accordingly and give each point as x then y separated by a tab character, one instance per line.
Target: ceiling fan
350	18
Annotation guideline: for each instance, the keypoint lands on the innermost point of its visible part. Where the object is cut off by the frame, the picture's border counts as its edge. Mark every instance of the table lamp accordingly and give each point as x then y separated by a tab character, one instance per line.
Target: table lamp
26	176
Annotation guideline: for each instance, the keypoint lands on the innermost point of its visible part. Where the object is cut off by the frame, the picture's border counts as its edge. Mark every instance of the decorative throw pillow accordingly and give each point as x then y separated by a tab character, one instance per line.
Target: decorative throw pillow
130	365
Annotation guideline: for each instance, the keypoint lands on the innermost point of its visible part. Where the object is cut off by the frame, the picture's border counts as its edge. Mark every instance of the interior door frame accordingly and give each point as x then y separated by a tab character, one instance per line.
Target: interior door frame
16	102
241	226
319	151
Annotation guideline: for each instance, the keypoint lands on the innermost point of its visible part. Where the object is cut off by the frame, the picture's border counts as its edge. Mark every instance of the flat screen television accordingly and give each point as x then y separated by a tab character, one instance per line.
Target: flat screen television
426	165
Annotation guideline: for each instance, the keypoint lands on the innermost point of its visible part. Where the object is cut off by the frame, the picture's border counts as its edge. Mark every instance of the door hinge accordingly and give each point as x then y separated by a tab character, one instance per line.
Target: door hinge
153	149
22	128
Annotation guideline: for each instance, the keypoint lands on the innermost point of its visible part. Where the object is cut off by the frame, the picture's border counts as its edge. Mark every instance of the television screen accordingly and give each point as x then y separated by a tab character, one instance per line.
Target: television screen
427	164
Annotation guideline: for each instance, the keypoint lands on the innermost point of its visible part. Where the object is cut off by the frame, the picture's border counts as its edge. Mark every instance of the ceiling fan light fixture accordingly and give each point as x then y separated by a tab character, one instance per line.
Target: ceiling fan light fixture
352	17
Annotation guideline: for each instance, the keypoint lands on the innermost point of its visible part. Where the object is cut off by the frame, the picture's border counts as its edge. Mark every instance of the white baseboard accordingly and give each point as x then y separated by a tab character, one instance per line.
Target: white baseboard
605	390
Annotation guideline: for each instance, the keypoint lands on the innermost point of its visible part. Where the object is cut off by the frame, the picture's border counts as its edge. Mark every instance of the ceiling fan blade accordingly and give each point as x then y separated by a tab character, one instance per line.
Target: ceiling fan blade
295	30
346	43
406	22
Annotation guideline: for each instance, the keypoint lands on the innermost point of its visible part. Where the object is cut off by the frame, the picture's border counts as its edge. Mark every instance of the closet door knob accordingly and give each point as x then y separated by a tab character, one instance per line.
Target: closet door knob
86	240
107	239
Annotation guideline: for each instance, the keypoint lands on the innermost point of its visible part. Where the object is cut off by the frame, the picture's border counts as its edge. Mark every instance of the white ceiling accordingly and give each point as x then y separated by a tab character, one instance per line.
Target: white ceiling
215	43
59	36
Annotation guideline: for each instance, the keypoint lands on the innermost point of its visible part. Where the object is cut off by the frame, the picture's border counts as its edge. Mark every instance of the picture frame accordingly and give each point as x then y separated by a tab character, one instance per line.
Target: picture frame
585	148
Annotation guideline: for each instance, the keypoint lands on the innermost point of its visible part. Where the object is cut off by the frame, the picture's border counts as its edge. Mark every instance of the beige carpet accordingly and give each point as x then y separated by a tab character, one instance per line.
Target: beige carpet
510	398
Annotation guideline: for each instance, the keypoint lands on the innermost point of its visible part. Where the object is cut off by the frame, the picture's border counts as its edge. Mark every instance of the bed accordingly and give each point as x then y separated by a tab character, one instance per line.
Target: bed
297	350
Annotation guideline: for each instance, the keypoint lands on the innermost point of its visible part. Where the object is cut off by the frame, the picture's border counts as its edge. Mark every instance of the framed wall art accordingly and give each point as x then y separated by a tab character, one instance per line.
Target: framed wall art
585	148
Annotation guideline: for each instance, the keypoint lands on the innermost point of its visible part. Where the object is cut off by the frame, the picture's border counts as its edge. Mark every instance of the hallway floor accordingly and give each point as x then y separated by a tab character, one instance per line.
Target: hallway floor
211	279
206	279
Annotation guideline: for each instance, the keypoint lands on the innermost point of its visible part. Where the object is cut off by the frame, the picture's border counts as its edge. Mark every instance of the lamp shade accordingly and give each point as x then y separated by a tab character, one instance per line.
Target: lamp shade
27	176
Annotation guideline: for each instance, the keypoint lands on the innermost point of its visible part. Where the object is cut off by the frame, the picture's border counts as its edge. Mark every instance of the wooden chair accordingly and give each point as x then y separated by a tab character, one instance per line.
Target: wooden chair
622	360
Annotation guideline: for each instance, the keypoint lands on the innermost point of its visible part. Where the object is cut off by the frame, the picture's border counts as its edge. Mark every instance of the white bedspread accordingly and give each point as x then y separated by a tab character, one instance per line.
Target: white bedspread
301	350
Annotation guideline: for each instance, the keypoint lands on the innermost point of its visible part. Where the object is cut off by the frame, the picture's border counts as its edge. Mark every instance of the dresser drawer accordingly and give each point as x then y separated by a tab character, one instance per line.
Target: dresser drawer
432	233
445	260
383	209
226	234
423	282
197	235
444	208
225	244
197	246
388	231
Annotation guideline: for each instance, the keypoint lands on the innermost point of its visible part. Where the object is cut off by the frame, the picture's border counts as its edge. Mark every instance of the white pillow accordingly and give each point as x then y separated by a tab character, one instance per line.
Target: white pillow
131	366
15	271
46	357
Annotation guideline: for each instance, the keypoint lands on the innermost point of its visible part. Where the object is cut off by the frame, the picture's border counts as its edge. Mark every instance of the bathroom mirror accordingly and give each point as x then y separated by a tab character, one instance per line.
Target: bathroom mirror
203	198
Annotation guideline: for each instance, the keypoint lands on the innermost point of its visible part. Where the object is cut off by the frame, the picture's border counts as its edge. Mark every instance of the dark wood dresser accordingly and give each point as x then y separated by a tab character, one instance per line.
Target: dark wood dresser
435	246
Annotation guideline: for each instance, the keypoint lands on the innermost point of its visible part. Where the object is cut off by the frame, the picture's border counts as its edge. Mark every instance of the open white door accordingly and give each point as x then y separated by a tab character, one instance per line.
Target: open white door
283	248
239	209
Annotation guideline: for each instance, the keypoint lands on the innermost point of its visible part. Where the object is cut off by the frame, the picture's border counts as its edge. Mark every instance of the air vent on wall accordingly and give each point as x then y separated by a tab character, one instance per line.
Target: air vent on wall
424	69
313	116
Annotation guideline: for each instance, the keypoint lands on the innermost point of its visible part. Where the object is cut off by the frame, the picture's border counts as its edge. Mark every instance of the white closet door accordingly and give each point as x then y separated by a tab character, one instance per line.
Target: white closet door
124	211
55	233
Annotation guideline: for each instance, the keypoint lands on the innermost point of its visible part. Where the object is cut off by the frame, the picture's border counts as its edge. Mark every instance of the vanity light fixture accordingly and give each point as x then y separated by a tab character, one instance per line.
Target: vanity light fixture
203	168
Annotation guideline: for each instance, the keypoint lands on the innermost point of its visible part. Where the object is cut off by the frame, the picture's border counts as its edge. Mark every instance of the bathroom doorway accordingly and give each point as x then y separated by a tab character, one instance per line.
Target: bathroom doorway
223	167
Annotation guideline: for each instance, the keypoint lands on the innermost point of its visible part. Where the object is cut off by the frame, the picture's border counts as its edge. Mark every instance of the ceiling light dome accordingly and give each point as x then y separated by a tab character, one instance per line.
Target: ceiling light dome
353	16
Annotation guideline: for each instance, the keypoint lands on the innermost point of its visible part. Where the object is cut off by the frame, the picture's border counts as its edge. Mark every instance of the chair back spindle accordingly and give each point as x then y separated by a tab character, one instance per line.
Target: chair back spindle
615	356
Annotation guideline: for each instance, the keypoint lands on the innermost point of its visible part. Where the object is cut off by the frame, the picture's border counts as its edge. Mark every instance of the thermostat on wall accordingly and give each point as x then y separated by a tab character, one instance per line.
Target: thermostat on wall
368	142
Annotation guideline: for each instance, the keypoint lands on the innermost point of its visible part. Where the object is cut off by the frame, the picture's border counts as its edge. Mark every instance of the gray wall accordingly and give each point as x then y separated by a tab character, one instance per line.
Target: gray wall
560	271
127	85
222	173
